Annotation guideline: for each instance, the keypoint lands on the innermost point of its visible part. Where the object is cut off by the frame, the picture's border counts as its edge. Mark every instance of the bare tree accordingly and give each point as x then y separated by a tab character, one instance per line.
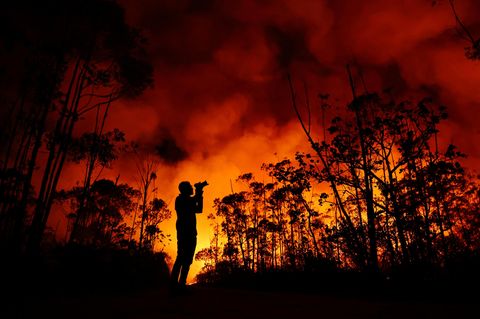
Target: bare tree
146	176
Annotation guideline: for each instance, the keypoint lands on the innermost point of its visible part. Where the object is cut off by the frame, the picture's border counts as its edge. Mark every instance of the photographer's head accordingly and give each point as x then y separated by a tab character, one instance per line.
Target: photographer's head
185	188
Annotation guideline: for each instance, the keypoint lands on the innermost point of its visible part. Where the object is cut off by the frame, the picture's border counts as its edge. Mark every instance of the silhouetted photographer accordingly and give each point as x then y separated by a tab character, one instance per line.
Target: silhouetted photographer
186	206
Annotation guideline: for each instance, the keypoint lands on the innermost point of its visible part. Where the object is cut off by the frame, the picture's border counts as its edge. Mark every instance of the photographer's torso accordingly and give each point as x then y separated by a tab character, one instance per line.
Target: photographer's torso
186	208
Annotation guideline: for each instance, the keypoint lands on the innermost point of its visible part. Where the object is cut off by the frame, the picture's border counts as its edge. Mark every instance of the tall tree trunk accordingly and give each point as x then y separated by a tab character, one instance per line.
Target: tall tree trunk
22	209
330	175
57	155
372	236
92	159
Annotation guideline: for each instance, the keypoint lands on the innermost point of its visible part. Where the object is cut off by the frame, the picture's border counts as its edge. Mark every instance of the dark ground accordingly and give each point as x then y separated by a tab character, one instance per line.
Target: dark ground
92	284
212	303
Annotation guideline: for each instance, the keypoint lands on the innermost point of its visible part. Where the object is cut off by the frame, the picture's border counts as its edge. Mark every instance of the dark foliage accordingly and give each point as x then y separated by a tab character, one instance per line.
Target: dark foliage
390	207
417	283
80	270
60	61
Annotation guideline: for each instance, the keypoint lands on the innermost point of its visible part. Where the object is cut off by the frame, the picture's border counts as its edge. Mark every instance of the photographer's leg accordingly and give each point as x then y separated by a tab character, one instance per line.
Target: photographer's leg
177	265
184	275
175	271
190	245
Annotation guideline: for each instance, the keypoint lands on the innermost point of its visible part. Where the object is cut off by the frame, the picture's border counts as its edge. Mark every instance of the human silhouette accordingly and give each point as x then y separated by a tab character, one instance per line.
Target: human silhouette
186	206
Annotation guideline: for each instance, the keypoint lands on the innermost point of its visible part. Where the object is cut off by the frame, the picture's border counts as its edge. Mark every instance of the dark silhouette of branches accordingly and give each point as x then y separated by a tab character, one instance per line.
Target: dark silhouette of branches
473	51
102	222
67	59
378	189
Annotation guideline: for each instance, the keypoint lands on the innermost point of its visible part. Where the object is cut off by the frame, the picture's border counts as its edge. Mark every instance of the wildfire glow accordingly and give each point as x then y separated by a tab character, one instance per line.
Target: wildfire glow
221	93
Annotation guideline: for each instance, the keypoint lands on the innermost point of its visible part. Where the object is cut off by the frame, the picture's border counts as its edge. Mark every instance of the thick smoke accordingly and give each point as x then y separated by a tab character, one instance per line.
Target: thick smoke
169	151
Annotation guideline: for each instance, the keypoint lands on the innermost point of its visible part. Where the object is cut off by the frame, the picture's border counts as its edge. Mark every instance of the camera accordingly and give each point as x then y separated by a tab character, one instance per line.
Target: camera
200	185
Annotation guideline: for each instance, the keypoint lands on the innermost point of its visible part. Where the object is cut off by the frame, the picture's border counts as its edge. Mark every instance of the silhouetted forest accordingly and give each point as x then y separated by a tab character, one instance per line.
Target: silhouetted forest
376	206
64	62
378	202
376	195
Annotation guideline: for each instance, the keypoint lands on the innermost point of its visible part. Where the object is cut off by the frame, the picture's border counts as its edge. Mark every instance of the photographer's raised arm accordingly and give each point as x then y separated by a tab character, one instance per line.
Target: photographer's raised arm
199	196
198	202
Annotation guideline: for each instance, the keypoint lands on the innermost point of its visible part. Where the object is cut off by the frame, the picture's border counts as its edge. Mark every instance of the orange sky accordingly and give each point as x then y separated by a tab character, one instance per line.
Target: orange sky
221	95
